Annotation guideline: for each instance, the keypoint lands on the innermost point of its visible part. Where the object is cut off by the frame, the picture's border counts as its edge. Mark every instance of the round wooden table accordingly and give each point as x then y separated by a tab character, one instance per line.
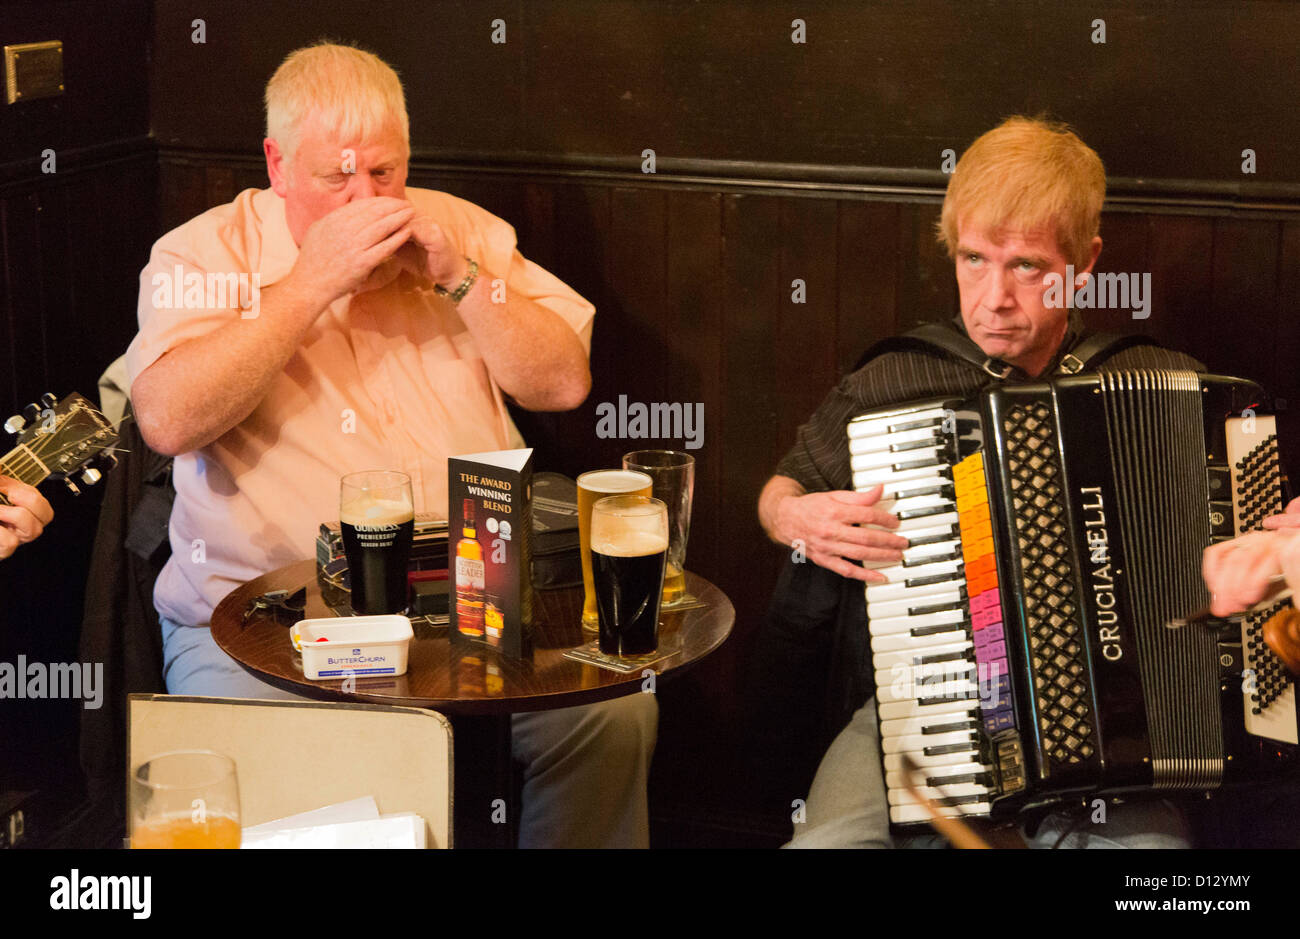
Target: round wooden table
476	686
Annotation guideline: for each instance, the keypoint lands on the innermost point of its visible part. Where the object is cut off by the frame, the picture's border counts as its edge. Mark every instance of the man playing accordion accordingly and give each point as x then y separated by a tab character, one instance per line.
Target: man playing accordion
1023	203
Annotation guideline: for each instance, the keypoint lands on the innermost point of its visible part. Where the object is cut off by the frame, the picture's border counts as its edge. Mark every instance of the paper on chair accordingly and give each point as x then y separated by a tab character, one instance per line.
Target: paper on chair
404	830
354	810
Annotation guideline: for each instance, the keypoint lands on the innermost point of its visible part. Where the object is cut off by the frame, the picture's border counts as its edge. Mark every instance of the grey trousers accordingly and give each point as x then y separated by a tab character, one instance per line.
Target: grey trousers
847	806
585	768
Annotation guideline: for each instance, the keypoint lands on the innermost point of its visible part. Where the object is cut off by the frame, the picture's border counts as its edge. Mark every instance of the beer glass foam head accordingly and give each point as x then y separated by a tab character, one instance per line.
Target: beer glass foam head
366	510
613	481
629	526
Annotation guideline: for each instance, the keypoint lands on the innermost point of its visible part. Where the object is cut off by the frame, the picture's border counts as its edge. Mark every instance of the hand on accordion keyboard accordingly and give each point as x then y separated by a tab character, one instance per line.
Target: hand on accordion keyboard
840	529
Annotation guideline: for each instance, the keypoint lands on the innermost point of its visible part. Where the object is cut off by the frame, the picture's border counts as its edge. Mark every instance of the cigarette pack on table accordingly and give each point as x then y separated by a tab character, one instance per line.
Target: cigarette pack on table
342	646
490	549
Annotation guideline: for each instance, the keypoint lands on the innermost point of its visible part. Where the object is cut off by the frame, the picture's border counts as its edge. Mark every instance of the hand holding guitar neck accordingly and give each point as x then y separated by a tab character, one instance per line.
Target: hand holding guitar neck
55	439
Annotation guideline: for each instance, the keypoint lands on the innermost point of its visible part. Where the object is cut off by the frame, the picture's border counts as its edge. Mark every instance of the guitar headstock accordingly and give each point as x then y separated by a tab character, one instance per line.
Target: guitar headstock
56	439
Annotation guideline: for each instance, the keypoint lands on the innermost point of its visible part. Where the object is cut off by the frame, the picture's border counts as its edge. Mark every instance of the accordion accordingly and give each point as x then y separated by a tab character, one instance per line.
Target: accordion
1023	648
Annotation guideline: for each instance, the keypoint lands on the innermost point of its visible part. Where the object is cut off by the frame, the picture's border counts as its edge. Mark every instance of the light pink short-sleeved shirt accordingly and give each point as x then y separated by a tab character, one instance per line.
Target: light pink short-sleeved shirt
388	379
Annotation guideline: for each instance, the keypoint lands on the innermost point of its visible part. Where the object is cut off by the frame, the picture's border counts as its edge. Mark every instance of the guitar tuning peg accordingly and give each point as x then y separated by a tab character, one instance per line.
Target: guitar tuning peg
15	424
31	412
91	476
48	400
73	486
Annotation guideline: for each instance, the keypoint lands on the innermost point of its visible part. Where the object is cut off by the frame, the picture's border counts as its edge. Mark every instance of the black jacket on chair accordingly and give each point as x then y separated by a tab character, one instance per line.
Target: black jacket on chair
120	626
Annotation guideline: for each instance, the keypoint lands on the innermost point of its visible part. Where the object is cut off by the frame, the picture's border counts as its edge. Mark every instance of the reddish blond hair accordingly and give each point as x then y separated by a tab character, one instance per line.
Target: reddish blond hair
1027	174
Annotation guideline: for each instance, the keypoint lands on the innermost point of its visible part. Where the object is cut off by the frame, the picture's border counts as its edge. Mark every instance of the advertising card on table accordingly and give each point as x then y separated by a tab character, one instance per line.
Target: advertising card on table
489	546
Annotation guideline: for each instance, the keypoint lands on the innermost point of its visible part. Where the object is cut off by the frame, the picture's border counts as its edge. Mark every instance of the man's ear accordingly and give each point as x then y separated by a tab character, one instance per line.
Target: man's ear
1094	249
276	166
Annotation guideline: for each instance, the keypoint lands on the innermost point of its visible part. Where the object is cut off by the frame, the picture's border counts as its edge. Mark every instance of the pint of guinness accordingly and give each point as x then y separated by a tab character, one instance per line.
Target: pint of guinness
377	520
629	544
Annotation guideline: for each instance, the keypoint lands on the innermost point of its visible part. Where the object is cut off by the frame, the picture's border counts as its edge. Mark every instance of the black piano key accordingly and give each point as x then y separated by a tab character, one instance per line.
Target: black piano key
915	425
948	748
950	728
960	656
932	559
914	445
924	513
938	489
917	464
934	608
919	631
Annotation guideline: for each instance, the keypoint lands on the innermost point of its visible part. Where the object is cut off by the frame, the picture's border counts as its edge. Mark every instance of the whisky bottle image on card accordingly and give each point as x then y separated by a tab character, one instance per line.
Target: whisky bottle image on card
469	576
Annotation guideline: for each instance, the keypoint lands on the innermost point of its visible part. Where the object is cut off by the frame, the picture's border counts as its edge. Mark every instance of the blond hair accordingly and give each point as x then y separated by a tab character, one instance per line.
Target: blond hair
1028	174
354	92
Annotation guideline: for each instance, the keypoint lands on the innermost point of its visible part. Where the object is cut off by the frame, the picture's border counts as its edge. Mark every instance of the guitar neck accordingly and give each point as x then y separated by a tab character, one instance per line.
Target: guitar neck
23	466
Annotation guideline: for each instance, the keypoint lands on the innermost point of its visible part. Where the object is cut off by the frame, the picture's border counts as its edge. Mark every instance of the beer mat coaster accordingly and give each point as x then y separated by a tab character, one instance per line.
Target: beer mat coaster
687	602
591	655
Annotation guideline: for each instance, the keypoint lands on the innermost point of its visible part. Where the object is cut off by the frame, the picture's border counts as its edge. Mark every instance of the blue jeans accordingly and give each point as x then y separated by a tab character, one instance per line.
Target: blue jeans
847	806
585	768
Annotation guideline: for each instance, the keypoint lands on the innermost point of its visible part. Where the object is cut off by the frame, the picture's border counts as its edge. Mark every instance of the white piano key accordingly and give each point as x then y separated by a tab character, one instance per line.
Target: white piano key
941	645
907	528
893	710
957	689
894	761
935	793
906	641
888	626
903	605
936	775
886	424
921	553
897	573
911	743
887	593
906	438
920	677
910	814
911	726
869	479
916	487
886	459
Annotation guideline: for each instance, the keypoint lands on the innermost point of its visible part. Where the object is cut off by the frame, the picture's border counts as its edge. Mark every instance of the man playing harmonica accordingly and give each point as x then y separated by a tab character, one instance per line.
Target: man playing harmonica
384	327
1024	202
24	518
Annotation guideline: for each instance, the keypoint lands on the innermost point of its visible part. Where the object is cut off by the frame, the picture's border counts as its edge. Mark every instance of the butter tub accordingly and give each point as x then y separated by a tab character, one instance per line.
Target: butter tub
337	647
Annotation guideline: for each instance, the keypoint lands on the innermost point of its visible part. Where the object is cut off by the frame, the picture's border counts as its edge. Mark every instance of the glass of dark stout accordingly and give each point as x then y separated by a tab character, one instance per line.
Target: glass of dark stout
377	519
629	546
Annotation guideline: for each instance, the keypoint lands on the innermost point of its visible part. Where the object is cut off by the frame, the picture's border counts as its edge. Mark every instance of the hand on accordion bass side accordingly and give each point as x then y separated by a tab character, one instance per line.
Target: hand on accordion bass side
1287	518
1242	572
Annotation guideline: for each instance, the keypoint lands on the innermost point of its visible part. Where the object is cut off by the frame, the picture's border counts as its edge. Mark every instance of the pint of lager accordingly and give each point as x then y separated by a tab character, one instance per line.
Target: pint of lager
377	519
629	543
592	487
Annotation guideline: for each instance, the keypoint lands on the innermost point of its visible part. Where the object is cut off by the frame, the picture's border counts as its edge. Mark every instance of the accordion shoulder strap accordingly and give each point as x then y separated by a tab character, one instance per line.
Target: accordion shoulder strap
1095	348
1091	350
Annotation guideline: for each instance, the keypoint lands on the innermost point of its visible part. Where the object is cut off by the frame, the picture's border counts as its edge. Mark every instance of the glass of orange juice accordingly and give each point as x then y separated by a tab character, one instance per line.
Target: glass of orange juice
185	799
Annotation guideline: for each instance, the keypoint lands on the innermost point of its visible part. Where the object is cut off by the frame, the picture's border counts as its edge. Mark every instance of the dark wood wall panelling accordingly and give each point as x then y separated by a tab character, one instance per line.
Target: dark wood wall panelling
72	244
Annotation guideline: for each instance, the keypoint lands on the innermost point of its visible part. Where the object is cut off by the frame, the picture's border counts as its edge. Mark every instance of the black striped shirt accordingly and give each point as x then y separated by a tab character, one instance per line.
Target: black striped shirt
819	460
